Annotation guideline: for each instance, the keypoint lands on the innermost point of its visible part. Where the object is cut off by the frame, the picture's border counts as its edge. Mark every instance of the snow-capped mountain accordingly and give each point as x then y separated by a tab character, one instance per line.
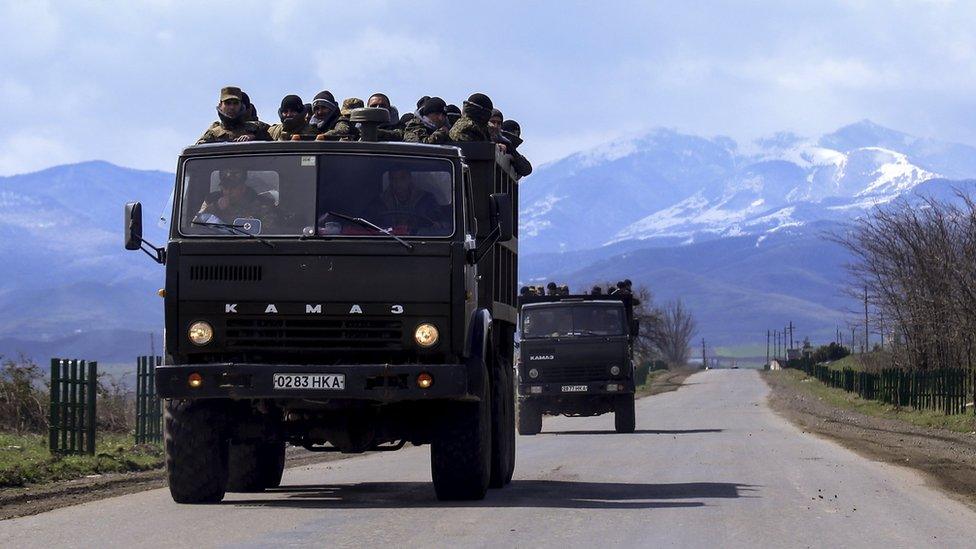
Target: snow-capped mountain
674	188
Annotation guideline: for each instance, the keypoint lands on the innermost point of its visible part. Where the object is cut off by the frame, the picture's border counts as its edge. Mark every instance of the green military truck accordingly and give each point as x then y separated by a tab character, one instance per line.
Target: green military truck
338	296
576	358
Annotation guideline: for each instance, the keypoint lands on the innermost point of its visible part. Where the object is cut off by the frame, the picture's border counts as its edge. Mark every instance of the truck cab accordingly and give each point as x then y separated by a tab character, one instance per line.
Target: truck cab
576	358
339	296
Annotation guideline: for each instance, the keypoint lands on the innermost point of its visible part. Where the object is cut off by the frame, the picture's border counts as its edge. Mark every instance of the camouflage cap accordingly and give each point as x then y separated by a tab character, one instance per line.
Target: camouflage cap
231	92
349	104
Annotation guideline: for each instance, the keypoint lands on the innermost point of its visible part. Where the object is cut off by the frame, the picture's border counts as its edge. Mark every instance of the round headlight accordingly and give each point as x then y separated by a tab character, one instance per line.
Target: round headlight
533	373
200	332
615	370
426	335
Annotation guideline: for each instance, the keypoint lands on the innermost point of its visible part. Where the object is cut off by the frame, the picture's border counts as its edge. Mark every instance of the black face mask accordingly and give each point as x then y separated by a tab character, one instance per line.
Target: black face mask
476	113
324	122
235	121
293	124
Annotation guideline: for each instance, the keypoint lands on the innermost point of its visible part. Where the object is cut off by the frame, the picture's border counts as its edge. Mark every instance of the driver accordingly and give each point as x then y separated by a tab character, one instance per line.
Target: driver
236	199
405	207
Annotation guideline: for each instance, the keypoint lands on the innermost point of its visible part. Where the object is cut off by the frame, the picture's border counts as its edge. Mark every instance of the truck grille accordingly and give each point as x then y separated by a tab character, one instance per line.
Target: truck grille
572	372
244	334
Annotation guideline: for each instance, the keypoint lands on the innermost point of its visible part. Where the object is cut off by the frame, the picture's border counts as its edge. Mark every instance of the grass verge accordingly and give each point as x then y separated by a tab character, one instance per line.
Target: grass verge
663	381
25	459
839	398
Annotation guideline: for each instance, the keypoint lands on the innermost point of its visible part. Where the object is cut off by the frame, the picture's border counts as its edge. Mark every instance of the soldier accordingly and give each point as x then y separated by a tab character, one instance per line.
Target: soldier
513	133
252	112
473	124
453	114
325	112
431	124
344	130
293	126
236	199
233	124
380	100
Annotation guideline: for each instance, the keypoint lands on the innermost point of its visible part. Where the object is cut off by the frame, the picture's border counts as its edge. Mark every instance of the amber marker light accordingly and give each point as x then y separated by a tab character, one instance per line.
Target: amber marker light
425	380
161	292
194	380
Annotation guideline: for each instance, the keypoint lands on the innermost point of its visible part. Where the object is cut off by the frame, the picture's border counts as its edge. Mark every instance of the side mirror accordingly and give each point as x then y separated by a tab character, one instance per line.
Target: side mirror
501	215
133	226
634	327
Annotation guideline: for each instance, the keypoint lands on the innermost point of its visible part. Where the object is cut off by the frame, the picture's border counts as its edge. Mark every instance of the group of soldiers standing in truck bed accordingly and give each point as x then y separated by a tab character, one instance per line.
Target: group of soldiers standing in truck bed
622	287
434	122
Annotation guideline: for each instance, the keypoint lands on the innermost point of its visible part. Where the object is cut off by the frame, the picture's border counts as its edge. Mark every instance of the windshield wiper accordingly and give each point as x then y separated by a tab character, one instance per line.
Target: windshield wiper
239	229
369	224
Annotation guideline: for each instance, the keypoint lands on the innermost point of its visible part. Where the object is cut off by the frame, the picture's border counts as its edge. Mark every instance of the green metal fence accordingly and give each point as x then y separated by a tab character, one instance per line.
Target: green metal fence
149	412
944	390
72	417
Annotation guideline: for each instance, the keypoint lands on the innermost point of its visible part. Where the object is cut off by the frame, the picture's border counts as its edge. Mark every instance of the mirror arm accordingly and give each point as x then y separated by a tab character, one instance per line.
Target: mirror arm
476	255
157	254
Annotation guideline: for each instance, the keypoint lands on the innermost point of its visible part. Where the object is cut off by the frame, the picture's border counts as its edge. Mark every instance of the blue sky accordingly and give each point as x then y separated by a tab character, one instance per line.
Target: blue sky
133	82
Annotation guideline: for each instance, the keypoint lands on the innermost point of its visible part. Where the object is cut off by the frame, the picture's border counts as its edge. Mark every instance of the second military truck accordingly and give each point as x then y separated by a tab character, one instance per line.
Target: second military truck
339	296
576	358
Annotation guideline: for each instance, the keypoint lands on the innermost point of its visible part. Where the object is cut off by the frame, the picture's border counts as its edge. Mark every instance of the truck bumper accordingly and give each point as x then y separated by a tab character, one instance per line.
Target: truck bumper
374	382
571	390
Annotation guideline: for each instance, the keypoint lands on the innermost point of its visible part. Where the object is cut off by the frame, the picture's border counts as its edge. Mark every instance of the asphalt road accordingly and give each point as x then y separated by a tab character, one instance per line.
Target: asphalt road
710	466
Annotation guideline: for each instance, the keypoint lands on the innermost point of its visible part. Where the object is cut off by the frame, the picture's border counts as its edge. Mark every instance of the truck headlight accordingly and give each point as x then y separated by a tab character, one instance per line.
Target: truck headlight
426	335
200	332
615	370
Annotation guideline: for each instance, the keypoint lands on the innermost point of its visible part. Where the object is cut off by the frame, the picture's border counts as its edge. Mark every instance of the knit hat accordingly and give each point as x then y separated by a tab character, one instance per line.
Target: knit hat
432	105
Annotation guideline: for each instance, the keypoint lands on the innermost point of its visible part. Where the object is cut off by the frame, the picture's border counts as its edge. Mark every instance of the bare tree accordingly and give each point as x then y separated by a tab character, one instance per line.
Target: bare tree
674	332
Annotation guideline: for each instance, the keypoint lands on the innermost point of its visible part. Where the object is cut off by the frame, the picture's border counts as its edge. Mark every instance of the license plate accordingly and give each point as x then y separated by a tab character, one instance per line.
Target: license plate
323	382
575	388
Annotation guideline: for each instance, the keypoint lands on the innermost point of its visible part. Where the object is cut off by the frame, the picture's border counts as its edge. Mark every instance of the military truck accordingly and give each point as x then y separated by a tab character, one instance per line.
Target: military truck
338	296
576	358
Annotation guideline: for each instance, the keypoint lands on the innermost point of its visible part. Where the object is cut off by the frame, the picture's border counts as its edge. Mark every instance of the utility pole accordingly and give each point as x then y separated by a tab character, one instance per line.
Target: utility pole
704	358
853	339
767	347
791	334
881	320
776	344
152	346
867	330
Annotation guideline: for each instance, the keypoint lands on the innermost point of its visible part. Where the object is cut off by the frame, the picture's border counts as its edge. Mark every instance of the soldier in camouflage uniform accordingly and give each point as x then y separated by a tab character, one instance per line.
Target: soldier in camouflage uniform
431	124
453	114
344	130
325	112
473	124
293	126
233	124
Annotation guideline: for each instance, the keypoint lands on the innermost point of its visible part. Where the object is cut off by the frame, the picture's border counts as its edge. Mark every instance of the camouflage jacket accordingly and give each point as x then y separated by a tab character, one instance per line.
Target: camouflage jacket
418	132
219	133
343	130
307	132
467	129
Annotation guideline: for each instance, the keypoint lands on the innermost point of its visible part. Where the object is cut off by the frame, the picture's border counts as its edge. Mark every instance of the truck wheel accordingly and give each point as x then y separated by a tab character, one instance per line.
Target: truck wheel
254	467
529	418
460	455
196	451
624	417
503	426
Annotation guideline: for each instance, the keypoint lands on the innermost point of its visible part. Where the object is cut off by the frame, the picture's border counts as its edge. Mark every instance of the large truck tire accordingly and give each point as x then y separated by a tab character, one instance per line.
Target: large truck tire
624	416
529	418
254	467
196	451
503	425
460	455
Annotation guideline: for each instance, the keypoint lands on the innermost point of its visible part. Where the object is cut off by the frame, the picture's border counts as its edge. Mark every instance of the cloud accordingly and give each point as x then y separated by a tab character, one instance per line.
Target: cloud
27	152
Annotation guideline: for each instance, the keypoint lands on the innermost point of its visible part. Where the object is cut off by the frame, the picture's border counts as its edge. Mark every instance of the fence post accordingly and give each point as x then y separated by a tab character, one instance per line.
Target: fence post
55	419
92	410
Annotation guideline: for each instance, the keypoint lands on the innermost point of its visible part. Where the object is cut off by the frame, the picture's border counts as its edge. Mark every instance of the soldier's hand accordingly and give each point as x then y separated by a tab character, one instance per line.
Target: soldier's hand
502	147
320	137
247	137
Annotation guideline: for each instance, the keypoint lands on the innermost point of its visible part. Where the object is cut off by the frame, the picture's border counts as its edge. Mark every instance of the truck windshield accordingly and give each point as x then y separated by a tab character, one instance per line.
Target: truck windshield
572	320
301	195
